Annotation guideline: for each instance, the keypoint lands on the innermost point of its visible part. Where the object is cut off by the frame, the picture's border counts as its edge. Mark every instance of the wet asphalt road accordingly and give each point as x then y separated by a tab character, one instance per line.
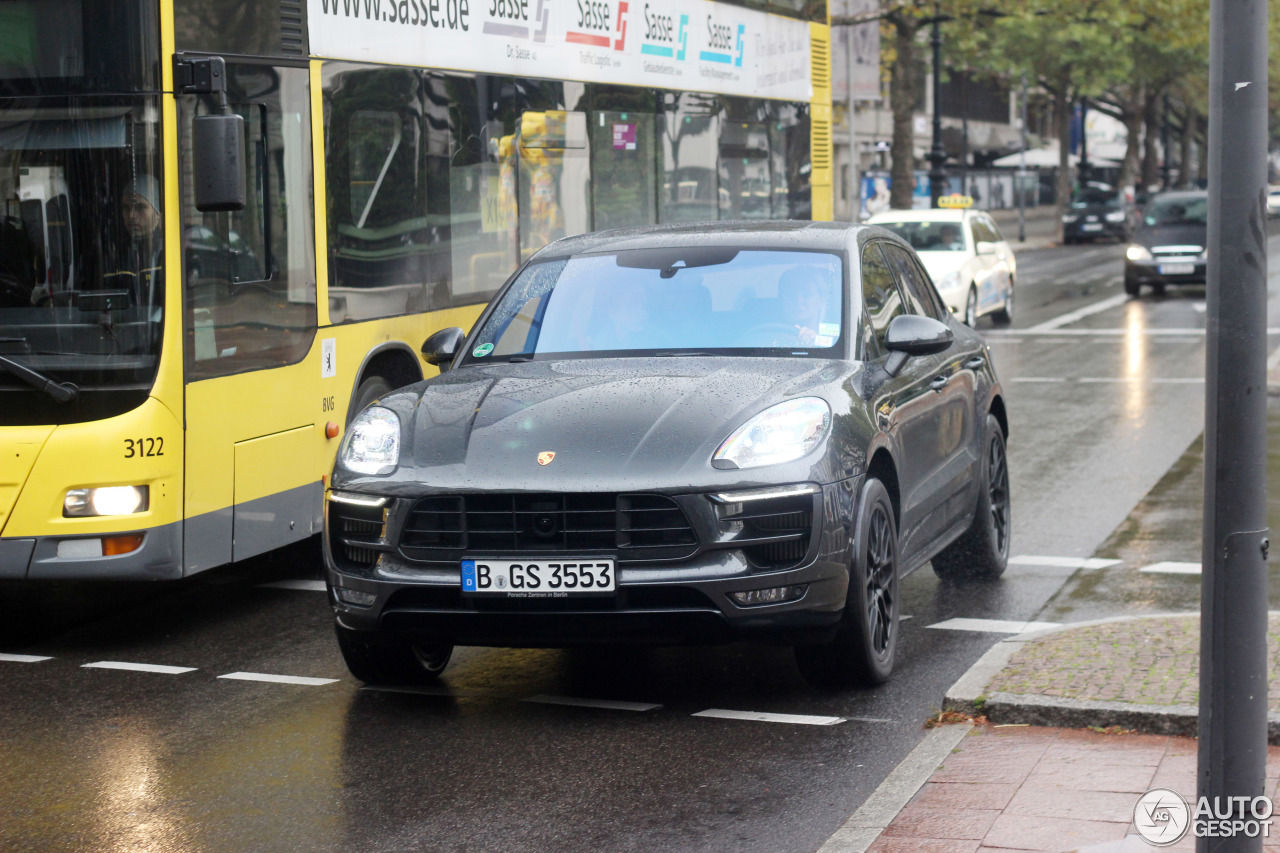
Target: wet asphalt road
1105	396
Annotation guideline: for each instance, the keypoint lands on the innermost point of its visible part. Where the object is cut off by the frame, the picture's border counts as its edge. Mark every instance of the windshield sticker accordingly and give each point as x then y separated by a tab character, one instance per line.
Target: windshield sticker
482	350
829	329
823	341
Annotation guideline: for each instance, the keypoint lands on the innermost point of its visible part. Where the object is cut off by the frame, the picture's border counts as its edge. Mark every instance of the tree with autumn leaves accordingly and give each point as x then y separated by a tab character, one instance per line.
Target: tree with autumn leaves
1129	57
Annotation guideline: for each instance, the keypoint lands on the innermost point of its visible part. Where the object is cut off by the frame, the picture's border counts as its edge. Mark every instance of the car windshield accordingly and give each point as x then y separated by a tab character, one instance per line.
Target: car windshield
669	302
1093	197
1178	210
929	236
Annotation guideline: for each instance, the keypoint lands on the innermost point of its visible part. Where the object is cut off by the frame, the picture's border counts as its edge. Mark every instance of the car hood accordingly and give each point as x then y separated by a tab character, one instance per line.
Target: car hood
1172	235
941	264
613	424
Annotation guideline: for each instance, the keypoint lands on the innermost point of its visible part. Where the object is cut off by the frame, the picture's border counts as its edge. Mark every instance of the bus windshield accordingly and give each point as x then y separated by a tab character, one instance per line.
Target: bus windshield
81	254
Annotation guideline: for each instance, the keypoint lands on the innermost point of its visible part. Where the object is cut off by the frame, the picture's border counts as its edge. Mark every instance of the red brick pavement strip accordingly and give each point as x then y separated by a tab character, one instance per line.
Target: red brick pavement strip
1138	673
1047	789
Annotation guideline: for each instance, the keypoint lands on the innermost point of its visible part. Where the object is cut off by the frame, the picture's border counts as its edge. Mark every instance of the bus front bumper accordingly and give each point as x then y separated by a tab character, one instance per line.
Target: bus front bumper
158	556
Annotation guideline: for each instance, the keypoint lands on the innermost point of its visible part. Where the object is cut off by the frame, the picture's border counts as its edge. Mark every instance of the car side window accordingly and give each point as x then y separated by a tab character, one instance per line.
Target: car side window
987	230
880	297
921	297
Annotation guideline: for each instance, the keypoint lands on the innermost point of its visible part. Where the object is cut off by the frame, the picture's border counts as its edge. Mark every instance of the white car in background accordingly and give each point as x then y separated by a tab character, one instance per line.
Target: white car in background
969	261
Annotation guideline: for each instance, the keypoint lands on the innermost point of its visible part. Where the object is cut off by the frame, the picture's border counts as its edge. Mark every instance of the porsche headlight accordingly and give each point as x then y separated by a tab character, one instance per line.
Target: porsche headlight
780	433
1137	253
372	443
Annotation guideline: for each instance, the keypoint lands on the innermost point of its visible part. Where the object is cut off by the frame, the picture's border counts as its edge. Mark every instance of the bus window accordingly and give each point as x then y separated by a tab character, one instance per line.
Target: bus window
250	300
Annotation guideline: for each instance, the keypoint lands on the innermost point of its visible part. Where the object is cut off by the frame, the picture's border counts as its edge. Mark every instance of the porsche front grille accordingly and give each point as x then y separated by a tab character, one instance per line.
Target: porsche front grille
635	526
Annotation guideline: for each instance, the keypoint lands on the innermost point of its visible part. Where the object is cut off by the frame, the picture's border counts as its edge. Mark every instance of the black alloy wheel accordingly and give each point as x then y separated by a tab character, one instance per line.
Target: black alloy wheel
971	308
380	659
866	640
982	551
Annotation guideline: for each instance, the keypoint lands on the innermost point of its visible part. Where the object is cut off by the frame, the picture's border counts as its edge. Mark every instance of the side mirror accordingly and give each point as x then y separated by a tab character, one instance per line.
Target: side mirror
439	349
985	248
911	335
217	149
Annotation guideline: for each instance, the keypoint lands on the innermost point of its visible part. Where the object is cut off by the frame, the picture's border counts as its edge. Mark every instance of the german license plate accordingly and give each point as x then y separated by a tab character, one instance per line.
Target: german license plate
1092	226
1177	269
542	578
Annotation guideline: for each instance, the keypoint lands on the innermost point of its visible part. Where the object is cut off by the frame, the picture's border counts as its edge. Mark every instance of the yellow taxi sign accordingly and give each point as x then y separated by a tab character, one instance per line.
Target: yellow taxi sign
955	201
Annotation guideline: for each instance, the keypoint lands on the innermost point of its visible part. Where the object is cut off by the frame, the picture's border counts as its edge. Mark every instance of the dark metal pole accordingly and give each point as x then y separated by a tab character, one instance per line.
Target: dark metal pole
1164	145
1084	167
1233	599
937	154
1022	168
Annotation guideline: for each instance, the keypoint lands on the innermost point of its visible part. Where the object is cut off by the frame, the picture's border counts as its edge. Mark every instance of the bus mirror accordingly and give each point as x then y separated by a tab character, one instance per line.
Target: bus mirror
441	347
217	148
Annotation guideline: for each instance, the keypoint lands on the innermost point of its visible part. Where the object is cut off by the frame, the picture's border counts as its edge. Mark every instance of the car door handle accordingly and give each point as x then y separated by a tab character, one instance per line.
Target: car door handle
974	363
939	382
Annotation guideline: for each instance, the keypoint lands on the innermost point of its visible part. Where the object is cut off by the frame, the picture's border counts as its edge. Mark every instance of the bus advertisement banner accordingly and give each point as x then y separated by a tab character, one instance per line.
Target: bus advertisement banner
674	44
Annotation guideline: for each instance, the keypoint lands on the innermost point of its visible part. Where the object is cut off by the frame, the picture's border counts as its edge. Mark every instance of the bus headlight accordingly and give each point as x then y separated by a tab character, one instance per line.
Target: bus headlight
106	500
372	443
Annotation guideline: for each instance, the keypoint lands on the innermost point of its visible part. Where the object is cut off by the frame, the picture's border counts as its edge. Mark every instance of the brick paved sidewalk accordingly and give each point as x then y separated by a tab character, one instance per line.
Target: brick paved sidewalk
1018	788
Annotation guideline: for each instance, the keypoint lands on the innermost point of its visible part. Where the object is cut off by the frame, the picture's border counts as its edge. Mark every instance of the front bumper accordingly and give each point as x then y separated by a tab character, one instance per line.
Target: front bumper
1092	230
681	601
1163	272
157	556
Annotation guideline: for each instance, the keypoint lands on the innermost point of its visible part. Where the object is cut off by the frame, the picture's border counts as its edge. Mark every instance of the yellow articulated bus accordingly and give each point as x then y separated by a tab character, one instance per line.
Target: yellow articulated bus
225	227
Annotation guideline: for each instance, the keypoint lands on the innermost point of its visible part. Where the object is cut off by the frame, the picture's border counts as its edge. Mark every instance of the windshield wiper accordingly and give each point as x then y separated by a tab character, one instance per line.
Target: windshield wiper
63	392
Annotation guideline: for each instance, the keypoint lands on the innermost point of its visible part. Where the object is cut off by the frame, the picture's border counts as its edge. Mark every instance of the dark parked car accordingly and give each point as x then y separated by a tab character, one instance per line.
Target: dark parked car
675	435
1169	247
1097	210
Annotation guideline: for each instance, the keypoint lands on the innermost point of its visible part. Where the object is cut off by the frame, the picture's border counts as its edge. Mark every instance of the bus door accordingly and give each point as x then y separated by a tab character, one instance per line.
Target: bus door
254	449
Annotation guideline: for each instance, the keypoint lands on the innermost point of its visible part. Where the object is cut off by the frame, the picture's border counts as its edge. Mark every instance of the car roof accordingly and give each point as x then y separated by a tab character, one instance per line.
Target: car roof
772	234
1177	194
932	215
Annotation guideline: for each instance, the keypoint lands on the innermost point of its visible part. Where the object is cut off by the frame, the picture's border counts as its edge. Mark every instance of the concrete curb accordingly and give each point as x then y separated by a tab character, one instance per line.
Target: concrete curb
969	696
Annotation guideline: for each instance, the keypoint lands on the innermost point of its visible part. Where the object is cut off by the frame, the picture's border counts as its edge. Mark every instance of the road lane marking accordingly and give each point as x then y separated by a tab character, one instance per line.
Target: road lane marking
1172	568
1037	379
608	704
24	658
1063	562
309	586
1153	380
1080	313
992	626
138	667
760	717
279	679
992	336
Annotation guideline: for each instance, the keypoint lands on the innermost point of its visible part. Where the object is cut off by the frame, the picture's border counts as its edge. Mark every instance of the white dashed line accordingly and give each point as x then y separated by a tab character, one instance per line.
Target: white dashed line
308	586
607	704
1080	313
24	658
1172	568
1037	379
279	679
992	626
139	667
759	717
1063	562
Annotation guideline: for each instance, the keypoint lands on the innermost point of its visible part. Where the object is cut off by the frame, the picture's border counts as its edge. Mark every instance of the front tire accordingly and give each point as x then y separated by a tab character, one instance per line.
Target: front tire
1132	286
971	308
373	388
380	659
1004	316
982	551
862	652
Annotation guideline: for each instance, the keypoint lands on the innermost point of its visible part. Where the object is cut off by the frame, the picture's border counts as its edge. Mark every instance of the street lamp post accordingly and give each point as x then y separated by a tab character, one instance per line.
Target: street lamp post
937	154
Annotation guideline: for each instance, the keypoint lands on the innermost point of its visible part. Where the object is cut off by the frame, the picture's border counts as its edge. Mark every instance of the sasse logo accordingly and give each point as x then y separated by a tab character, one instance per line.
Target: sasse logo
657	27
593	15
719	36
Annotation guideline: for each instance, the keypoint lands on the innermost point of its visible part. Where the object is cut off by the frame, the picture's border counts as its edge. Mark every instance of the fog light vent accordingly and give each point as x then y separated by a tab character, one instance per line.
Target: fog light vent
772	595
355	596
